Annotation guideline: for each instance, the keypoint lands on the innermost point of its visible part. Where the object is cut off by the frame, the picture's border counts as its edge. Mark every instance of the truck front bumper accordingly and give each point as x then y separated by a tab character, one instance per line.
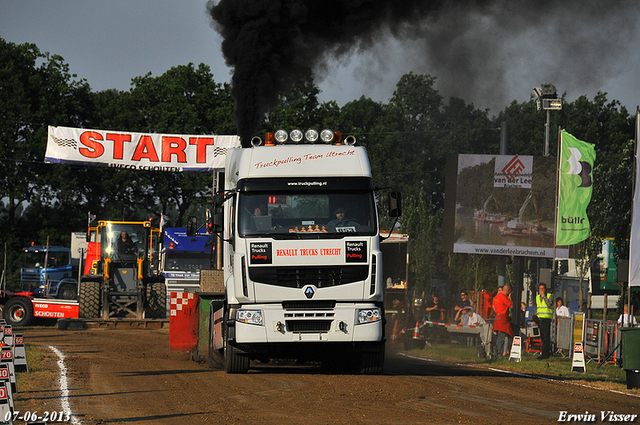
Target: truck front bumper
338	324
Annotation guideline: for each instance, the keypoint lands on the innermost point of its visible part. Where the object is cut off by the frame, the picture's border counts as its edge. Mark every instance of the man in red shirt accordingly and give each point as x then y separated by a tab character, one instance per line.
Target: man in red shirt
502	323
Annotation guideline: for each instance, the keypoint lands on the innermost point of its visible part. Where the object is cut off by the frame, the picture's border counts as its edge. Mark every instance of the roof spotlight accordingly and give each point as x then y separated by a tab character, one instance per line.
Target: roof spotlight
311	135
281	136
326	136
296	135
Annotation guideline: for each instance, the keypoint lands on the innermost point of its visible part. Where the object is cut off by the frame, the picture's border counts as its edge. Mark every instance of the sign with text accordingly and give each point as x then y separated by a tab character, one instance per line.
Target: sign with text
138	151
501	205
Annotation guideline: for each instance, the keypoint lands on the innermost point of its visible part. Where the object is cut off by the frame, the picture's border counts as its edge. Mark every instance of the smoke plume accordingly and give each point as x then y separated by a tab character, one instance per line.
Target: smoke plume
473	47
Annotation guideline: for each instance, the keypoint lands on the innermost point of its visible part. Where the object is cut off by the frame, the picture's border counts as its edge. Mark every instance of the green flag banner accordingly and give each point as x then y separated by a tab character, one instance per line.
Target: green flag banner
575	188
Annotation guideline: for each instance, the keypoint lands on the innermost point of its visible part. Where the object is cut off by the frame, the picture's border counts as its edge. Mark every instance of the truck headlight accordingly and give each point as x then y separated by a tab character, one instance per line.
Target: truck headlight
251	317
368	315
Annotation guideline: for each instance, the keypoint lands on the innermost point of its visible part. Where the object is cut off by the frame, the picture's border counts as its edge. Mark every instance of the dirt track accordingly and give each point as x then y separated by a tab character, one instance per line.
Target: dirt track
131	376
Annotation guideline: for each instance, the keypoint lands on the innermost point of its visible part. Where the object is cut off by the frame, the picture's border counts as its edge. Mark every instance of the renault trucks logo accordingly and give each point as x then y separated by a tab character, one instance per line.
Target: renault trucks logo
309	292
581	168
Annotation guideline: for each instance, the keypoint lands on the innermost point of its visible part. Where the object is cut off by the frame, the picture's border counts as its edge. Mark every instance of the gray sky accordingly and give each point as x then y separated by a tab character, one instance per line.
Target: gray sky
110	42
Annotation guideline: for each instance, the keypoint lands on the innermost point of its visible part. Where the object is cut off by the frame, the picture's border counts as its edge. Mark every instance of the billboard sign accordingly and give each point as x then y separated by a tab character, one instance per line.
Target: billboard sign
501	205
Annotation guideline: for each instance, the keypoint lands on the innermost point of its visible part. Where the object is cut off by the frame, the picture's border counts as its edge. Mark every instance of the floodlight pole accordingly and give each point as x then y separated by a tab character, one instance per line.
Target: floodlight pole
546	133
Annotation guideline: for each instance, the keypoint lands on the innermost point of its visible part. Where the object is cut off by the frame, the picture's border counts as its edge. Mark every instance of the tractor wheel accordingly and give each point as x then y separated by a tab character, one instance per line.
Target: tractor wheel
156	300
18	311
89	300
67	292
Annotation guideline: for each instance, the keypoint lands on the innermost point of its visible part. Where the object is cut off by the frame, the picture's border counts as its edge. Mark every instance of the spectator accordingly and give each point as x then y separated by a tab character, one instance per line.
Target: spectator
523	314
474	318
502	323
435	311
405	318
627	319
561	310
461	306
544	311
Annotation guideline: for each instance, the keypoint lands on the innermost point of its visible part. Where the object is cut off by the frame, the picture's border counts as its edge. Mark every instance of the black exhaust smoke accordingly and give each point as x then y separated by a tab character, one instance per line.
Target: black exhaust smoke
272	43
467	44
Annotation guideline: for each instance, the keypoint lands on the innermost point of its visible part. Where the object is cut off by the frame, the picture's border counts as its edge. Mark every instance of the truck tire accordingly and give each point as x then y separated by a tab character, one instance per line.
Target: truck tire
67	291
233	361
156	300
18	311
89	300
372	362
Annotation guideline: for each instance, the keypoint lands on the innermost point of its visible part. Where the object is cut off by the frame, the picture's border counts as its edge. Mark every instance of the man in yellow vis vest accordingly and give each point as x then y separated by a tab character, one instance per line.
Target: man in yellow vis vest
544	311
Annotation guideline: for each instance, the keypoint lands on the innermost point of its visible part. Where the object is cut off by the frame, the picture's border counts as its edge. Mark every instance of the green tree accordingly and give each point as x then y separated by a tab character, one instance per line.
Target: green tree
36	90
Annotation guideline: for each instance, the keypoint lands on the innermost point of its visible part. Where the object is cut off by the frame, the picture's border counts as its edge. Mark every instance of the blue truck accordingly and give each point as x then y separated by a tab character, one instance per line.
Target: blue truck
183	257
49	271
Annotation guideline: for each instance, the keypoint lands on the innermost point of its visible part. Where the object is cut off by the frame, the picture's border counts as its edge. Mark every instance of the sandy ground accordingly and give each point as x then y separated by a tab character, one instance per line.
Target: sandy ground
130	376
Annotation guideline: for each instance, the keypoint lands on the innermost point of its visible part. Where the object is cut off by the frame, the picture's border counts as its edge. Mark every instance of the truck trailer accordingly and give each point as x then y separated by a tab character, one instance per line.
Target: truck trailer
301	255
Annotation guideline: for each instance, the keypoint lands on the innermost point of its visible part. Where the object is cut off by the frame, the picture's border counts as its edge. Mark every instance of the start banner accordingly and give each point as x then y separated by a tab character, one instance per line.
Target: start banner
138	151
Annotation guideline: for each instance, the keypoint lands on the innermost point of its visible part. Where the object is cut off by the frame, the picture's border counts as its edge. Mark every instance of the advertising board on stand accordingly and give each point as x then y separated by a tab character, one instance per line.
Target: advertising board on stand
501	205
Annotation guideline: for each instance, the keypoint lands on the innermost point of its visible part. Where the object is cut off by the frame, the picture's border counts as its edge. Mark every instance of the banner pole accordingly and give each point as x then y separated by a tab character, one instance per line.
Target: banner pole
555	234
633	200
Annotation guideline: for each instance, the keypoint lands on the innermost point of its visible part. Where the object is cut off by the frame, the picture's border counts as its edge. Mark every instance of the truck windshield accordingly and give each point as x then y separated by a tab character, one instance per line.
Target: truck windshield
307	214
124	242
35	259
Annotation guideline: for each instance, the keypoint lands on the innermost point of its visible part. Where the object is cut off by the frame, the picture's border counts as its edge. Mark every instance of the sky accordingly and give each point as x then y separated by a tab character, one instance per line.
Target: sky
477	57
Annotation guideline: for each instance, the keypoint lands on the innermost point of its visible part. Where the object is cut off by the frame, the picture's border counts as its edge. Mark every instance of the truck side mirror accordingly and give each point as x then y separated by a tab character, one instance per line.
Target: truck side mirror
395	204
216	222
192	226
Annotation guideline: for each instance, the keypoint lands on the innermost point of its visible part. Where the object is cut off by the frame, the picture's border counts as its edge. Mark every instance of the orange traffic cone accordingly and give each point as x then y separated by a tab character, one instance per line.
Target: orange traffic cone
394	335
416	332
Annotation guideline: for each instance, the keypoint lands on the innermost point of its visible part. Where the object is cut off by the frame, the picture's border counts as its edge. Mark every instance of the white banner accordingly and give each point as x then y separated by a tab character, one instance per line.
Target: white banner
138	151
634	242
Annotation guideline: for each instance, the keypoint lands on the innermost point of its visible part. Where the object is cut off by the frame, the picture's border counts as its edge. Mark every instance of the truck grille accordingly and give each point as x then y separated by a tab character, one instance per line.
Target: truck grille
298	277
31	277
308	305
308	326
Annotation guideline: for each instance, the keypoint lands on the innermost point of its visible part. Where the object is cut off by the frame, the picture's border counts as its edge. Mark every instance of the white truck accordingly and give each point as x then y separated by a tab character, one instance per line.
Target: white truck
302	262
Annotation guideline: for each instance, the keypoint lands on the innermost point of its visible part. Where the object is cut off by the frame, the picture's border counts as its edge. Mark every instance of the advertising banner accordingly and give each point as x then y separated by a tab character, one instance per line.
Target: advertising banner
501	205
138	151
575	188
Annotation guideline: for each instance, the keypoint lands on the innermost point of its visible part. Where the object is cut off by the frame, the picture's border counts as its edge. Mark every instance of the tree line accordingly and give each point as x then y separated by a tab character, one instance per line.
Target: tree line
408	139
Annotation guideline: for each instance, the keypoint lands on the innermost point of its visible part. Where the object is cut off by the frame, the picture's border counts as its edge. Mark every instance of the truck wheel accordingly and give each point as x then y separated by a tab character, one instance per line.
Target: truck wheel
372	362
156	300
234	362
89	300
18	311
67	292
